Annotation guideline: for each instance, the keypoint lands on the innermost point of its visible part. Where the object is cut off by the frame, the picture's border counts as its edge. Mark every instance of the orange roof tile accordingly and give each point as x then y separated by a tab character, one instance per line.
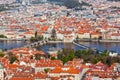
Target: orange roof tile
20	78
12	66
65	69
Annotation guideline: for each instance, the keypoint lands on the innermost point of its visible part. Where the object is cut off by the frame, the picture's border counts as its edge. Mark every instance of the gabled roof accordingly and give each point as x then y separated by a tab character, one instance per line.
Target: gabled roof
20	78
40	75
65	69
48	63
100	64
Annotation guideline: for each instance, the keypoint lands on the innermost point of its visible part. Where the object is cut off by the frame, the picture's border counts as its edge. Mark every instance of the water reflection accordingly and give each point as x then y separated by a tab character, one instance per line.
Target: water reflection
103	46
11	44
69	46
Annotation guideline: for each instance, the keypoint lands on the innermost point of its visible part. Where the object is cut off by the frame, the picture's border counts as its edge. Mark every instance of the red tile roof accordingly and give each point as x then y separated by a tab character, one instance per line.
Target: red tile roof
40	75
20	78
48	63
65	69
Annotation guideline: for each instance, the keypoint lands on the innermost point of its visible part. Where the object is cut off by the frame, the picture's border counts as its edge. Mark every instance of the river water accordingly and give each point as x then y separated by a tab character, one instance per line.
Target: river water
11	44
115	47
60	46
111	46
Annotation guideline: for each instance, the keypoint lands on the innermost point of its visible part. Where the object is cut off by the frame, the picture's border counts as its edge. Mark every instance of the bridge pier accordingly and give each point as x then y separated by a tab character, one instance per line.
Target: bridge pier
35	44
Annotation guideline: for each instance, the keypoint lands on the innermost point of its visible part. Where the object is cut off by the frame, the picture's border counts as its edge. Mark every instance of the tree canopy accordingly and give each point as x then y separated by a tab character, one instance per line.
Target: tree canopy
88	56
3	36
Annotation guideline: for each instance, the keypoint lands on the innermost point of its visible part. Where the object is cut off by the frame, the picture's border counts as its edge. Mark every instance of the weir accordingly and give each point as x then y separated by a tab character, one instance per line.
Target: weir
86	47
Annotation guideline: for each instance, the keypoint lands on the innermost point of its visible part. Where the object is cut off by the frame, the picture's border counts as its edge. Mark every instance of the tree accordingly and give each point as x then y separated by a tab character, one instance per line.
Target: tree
65	59
1	54
85	52
36	38
46	70
10	54
36	34
94	60
78	54
104	53
88	56
77	39
12	59
31	57
71	56
3	36
37	56
4	49
33	39
53	58
53	36
40	37
108	61
60	56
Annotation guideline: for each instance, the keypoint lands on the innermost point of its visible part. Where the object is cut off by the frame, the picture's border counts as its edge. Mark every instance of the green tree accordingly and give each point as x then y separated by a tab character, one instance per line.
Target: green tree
36	34
3	36
60	56
85	52
46	70
77	39
37	56
65	59
4	49
78	54
1	54
53	35
104	53
12	59
31	57
10	54
40	37
71	56
33	39
94	60
53	58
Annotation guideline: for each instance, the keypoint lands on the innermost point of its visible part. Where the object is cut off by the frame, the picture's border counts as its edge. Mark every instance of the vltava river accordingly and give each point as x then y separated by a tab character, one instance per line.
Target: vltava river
98	45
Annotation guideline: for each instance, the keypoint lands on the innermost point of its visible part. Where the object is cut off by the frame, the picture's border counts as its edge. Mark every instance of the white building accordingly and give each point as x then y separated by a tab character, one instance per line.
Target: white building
65	73
1	73
25	2
60	36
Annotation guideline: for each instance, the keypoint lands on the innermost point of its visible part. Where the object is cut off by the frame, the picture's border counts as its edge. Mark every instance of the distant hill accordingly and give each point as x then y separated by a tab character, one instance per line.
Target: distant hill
72	3
57	0
113	0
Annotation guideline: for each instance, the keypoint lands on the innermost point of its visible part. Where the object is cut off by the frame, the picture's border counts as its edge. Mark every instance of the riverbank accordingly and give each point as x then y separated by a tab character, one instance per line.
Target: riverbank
58	42
93	40
83	40
10	39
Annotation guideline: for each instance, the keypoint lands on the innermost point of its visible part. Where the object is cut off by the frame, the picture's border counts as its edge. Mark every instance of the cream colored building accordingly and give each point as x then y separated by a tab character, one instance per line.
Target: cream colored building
65	73
1	73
